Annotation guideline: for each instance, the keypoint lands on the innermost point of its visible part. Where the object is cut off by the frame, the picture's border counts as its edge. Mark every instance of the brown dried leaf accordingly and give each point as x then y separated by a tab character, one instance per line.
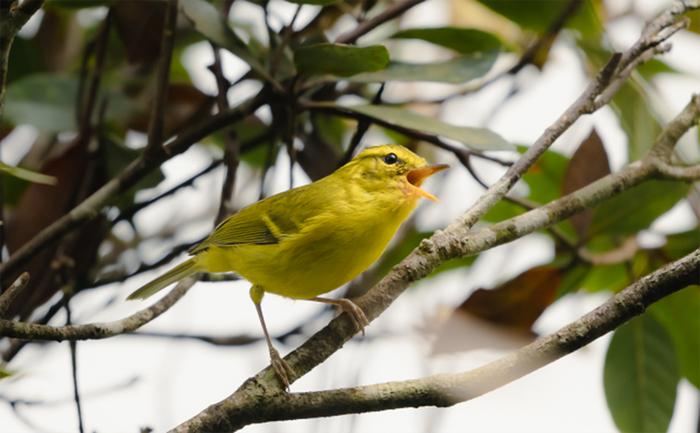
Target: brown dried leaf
140	28
41	205
502	317
588	164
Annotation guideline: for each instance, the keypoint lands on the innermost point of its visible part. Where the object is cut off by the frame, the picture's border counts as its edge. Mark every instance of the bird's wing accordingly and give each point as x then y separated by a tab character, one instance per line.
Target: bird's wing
265	222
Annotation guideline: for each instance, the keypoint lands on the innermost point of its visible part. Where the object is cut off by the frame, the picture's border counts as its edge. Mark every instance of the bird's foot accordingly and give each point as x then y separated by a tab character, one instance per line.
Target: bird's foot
282	369
356	314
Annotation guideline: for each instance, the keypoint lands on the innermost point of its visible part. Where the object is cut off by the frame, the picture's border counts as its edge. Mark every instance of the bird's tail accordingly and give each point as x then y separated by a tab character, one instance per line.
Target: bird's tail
177	273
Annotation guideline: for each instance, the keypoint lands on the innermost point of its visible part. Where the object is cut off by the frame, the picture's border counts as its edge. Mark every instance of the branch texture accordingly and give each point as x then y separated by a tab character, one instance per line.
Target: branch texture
448	389
457	240
95	331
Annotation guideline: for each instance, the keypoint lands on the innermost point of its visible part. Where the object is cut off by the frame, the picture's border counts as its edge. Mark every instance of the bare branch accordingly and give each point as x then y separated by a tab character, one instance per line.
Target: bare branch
455	241
232	146
418	135
448	389
689	173
366	26
155	126
9	295
95	331
73	347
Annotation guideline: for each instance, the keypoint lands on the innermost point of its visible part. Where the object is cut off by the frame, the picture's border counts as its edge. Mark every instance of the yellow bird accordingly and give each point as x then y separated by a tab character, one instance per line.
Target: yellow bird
312	239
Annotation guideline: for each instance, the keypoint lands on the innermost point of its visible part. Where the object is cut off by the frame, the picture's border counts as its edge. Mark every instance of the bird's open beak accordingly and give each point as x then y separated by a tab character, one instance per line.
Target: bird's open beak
416	177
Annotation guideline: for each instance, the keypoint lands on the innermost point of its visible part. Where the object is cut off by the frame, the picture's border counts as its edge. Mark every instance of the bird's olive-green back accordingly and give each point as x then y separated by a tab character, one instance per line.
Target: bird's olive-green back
268	221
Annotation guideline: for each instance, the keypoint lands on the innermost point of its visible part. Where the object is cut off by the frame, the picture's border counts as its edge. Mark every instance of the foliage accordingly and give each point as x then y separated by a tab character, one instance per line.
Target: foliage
87	112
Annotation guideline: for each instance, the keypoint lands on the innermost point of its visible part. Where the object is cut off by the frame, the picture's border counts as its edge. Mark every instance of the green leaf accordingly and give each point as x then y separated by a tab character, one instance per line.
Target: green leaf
212	24
474	138
45	101
454	71
339	59
640	376
28	175
654	67
462	40
637	119
611	278
681	244
679	313
4	372
636	208
538	15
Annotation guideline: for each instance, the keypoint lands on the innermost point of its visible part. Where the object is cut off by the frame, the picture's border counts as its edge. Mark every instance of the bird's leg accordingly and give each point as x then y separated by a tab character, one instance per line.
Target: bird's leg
347	306
282	369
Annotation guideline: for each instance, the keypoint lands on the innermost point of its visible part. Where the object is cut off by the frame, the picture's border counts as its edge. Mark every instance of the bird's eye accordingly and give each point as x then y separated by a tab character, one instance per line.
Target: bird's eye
391	158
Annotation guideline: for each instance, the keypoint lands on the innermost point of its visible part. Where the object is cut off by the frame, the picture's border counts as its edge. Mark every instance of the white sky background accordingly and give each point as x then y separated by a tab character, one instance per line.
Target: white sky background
177	379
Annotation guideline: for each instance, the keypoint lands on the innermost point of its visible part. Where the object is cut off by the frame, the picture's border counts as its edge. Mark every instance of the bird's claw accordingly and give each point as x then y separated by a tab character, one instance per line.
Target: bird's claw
356	314
282	369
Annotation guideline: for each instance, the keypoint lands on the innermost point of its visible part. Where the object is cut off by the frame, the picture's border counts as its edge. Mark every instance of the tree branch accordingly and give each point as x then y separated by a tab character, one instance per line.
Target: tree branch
448	389
9	295
232	146
456	241
12	21
366	26
160	94
95	331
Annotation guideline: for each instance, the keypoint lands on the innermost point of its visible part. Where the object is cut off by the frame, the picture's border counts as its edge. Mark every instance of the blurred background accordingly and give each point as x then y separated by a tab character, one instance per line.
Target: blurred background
467	313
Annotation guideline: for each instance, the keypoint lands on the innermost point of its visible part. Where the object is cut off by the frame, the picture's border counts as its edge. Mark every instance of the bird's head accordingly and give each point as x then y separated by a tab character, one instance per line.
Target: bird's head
392	167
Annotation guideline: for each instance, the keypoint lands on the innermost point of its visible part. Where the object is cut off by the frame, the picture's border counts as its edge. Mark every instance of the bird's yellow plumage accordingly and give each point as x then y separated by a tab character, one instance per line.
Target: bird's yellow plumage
310	240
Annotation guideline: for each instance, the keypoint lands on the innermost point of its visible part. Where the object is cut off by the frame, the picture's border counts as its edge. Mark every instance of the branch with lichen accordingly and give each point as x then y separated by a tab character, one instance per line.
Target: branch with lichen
445	390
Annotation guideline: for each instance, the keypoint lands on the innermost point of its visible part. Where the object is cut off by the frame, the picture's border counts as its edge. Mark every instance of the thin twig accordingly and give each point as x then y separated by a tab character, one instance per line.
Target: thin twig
118	277
137	207
96	331
73	347
11	22
160	95
419	135
525	58
231	144
362	127
366	26
86	107
554	28
17	345
9	295
63	400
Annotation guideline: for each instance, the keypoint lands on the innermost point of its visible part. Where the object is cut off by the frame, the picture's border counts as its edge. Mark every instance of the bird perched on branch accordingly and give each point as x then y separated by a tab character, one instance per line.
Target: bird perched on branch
312	239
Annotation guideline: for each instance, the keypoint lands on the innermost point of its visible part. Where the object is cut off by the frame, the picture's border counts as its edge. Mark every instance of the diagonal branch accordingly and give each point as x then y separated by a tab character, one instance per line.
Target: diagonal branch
456	240
366	26
448	389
